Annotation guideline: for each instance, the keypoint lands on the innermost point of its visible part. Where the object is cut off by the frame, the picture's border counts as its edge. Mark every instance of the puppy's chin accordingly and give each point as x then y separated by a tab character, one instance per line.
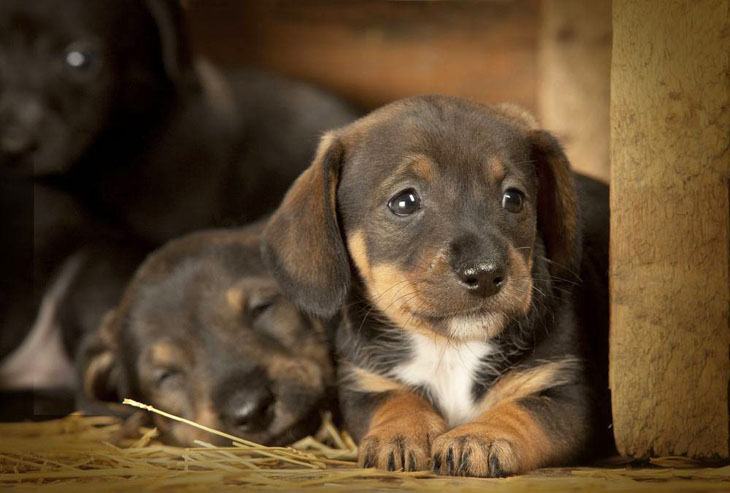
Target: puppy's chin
475	326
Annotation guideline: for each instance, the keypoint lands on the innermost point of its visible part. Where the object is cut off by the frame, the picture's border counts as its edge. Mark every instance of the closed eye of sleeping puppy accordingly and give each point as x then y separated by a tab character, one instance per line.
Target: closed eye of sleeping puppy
202	331
449	237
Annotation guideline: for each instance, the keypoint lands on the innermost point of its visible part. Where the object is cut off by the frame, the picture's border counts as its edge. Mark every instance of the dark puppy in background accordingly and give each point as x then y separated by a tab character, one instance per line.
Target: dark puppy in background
113	135
449	234
202	331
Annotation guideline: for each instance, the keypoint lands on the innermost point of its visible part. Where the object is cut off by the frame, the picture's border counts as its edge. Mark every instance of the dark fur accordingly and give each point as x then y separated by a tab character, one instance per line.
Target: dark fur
140	145
202	331
339	204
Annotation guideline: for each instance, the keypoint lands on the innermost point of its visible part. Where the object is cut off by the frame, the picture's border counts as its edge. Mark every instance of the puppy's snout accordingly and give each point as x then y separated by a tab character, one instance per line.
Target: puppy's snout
478	264
20	116
249	409
482	278
15	141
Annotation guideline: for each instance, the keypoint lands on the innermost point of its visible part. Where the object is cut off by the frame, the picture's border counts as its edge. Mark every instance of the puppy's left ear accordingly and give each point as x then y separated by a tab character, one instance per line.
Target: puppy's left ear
175	48
302	243
557	206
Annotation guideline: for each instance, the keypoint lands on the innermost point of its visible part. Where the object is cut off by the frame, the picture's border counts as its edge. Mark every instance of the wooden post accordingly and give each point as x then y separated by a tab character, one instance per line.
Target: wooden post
670	148
573	95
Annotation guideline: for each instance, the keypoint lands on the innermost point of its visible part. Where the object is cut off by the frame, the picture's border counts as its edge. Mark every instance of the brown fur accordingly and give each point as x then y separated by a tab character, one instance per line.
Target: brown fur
400	435
505	440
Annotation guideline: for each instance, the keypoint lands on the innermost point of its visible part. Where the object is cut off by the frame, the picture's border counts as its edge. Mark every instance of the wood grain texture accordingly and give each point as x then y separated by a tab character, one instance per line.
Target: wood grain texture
670	147
375	51
574	81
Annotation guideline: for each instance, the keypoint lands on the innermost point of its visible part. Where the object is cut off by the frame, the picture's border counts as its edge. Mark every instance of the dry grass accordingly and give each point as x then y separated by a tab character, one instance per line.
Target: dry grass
80	454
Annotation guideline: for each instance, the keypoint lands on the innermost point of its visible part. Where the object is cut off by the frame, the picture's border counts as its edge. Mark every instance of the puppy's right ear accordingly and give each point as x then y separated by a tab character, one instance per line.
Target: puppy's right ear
99	369
302	243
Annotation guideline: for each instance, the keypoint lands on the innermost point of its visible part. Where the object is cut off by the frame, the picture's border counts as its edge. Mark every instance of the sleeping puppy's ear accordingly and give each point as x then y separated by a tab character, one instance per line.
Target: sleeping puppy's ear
175	49
102	385
302	243
557	207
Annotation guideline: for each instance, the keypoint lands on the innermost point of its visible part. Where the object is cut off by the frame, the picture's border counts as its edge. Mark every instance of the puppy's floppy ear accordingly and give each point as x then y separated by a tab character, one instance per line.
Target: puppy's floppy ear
175	48
302	243
557	207
101	378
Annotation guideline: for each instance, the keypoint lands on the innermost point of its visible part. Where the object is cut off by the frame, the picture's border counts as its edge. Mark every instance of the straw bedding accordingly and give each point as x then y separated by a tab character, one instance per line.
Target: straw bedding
93	454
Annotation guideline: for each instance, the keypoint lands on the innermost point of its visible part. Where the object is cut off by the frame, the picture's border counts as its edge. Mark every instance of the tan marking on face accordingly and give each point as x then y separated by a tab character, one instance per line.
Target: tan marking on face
519	288
236	298
418	164
304	371
164	353
357	247
394	292
518	384
367	381
495	170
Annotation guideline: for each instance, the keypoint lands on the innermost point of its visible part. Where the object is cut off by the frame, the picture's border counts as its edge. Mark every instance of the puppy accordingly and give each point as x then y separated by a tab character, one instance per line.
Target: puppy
115	134
202	331
448	236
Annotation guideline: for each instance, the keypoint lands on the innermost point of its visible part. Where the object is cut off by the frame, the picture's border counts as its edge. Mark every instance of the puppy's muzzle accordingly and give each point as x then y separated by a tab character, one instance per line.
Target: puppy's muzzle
482	279
479	266
246	406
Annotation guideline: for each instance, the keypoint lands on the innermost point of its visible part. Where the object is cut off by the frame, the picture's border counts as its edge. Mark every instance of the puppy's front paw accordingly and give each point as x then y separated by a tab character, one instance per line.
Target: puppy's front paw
396	449
472	451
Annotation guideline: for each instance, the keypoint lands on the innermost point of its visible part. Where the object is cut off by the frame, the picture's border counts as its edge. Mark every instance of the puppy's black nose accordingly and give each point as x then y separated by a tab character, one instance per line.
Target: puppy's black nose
14	141
249	409
483	279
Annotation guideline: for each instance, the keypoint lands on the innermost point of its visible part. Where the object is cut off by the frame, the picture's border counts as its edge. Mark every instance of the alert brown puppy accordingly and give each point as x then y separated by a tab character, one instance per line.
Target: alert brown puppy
447	234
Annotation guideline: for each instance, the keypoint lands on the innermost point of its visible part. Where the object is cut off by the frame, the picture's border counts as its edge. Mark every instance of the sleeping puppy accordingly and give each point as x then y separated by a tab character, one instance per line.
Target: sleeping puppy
448	236
202	331
114	132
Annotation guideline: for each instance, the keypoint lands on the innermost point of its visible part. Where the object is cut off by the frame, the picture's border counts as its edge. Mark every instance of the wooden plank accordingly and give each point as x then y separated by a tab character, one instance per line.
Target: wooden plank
670	147
374	51
574	87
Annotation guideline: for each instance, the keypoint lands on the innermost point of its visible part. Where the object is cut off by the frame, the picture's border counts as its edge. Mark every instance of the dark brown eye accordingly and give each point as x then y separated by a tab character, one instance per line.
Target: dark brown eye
405	202
513	200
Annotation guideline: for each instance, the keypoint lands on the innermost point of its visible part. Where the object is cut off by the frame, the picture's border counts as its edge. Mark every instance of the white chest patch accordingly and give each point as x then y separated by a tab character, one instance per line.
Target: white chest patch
447	370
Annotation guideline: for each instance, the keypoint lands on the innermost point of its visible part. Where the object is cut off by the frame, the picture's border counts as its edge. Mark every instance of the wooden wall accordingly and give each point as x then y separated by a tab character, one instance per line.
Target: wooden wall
375	51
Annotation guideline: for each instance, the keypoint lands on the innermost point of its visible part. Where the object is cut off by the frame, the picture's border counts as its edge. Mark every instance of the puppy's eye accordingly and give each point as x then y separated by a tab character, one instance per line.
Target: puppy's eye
80	58
167	377
405	202
259	308
513	200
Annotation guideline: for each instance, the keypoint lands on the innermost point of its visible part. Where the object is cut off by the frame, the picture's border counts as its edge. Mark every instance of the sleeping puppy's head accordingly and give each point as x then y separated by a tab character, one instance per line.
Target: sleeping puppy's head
69	68
445	214
203	332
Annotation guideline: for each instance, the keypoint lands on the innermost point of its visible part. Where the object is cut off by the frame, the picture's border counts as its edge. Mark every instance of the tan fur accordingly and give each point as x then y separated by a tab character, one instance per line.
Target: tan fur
495	170
357	247
401	431
419	165
367	381
236	298
518	384
166	354
507	433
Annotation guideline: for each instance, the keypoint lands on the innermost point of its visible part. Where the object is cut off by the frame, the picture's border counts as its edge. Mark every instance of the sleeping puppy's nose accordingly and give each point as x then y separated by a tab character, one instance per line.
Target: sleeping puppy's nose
249	409
481	278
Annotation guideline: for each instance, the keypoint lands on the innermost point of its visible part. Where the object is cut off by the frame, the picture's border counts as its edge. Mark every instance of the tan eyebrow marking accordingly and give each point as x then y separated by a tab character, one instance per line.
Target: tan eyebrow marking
495	170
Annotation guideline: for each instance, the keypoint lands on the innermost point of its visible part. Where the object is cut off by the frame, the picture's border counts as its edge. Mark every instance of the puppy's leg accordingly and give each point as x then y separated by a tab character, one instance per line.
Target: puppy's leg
402	428
517	434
